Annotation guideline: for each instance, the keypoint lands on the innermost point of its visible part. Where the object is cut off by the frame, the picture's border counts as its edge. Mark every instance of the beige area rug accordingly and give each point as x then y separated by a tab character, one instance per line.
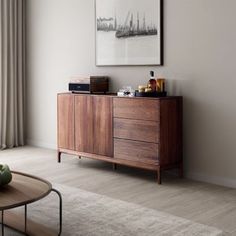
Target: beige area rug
90	214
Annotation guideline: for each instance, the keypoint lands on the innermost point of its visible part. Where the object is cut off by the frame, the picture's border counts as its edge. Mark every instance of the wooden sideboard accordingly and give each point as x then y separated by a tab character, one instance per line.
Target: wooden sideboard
140	132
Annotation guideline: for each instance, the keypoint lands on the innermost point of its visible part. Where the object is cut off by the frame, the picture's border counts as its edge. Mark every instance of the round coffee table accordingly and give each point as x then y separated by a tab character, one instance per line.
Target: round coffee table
23	190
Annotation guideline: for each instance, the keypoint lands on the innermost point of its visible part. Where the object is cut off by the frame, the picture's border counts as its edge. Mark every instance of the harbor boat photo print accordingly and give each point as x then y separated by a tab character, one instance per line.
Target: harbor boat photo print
128	32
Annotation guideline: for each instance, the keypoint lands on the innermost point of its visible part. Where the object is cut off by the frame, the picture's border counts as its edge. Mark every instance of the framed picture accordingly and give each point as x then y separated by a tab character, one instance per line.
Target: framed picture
129	32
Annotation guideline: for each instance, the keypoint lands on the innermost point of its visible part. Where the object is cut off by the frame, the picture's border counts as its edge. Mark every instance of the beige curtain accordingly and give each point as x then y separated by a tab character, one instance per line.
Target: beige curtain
12	73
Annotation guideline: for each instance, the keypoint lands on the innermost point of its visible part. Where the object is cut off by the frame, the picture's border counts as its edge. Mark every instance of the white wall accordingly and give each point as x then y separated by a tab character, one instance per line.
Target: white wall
200	64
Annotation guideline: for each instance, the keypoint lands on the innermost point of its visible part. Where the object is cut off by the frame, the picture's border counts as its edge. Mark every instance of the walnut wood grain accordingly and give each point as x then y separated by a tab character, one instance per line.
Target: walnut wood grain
171	131
136	151
140	130
84	124
139	109
93	125
65	121
102	126
147	131
132	163
22	190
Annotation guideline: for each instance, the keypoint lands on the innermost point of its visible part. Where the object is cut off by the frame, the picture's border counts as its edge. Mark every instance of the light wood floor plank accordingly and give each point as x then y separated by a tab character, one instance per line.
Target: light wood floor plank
204	203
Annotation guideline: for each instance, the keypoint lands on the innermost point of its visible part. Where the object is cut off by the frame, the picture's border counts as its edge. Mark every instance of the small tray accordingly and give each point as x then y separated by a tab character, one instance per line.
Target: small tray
152	94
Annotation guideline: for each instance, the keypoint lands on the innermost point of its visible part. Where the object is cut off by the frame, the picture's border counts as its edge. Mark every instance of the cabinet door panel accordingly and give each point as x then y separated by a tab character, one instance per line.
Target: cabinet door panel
102	126
83	124
93	125
65	110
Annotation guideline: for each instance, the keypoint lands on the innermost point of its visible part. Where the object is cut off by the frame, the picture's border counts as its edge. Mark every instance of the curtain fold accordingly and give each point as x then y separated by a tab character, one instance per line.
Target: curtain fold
12	73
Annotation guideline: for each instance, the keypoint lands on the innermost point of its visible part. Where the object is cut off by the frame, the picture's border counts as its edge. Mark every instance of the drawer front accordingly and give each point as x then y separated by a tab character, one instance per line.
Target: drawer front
139	109
140	130
136	151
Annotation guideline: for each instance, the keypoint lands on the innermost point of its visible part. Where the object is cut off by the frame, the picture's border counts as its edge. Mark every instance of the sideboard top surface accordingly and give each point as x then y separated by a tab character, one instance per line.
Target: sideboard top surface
113	95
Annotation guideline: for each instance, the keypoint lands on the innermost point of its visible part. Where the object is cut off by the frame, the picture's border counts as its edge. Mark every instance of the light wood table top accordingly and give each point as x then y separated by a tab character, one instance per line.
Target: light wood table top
22	190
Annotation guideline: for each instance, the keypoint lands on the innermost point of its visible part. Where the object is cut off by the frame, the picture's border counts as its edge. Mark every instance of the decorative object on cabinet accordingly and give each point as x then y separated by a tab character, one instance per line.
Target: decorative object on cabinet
150	94
126	91
129	32
154	88
92	84
140	132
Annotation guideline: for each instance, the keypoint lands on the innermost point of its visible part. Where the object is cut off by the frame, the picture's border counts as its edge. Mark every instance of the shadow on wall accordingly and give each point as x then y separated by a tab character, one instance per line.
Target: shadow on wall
208	130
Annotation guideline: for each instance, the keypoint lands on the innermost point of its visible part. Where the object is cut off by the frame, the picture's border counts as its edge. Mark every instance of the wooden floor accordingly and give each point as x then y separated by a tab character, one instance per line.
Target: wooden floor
200	202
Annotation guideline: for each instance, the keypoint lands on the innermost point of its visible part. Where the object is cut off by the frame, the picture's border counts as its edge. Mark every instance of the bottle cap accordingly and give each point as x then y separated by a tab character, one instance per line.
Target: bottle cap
152	73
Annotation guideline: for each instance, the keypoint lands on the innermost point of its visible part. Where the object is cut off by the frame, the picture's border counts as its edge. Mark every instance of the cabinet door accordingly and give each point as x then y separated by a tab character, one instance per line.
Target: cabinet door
102	126
93	125
65	110
84	123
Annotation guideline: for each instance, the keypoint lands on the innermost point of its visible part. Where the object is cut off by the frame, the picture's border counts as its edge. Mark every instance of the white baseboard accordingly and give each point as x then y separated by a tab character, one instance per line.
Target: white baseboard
227	182
36	143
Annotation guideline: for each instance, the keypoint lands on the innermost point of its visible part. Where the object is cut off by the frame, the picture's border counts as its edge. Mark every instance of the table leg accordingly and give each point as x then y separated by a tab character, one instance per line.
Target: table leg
114	165
25	219
2	223
60	209
159	175
59	156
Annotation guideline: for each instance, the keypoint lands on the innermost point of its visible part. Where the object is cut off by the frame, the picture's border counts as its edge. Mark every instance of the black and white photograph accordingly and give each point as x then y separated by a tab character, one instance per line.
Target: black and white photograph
128	32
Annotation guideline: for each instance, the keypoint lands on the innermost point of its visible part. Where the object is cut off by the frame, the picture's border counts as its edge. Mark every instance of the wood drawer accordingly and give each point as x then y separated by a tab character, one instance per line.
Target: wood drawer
139	109
140	130
136	151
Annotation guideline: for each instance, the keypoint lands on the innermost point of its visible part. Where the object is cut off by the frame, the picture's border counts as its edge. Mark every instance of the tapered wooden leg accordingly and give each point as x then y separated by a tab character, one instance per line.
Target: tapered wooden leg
59	157
114	166
181	171
159	175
